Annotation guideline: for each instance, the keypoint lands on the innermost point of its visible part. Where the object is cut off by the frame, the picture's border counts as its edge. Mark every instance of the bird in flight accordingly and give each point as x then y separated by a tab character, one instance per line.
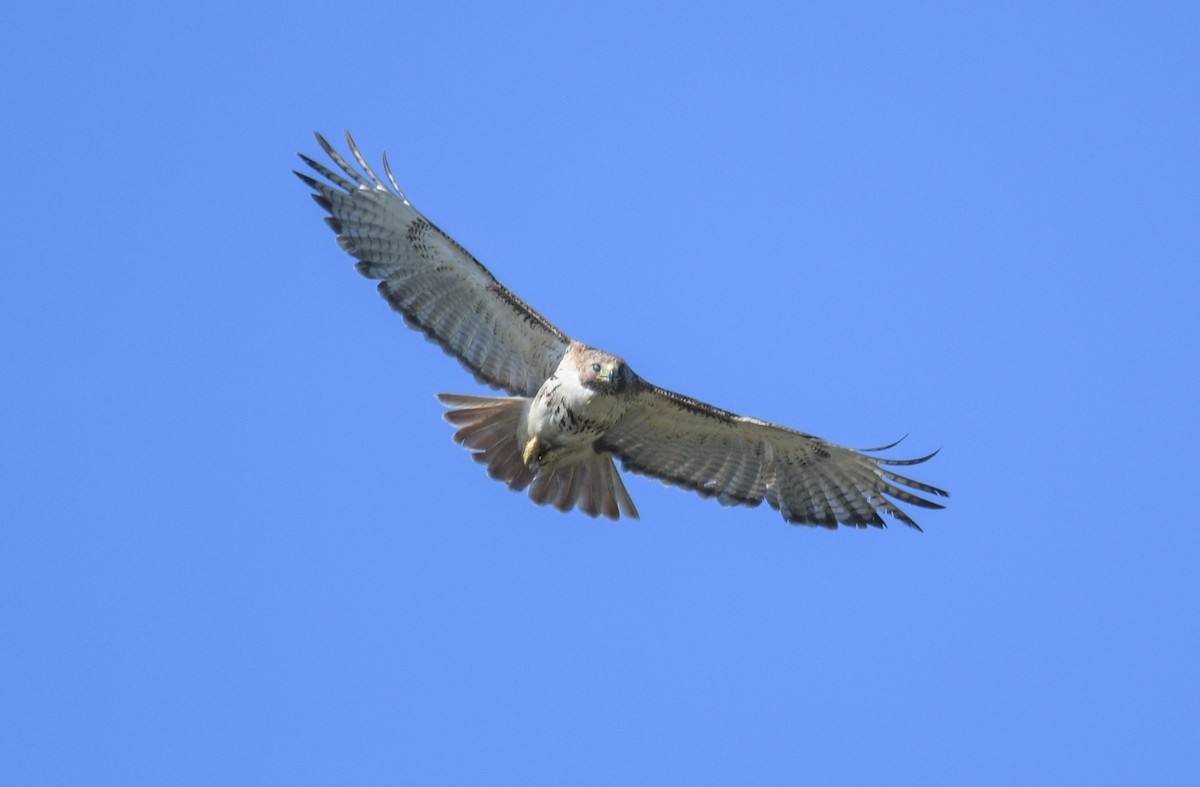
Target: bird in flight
574	409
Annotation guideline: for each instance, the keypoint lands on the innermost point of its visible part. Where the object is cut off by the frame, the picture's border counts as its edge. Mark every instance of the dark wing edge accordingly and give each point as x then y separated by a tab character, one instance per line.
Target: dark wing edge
434	283
744	461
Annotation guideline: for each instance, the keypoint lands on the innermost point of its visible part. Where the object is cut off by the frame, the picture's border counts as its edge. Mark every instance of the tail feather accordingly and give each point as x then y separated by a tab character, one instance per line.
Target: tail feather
595	497
488	427
593	486
610	497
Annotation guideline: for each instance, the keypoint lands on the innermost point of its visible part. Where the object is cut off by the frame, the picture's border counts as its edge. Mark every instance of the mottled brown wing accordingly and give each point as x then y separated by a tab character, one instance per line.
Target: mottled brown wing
433	282
742	460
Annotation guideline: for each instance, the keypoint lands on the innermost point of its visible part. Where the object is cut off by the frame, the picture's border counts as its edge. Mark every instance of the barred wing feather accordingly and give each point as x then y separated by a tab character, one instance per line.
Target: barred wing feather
741	460
437	285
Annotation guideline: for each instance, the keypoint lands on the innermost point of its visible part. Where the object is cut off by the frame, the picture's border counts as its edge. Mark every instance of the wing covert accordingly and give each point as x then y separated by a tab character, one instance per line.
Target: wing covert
436	284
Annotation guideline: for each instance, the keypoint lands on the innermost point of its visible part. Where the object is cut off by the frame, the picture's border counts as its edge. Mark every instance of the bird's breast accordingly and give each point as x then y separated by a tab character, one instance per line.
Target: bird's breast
563	414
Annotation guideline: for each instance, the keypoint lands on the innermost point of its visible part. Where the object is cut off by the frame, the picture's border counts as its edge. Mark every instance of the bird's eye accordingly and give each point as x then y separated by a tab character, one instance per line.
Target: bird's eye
595	367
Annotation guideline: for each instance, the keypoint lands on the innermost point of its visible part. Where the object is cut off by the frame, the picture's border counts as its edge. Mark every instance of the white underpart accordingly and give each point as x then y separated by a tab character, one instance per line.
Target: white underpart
595	413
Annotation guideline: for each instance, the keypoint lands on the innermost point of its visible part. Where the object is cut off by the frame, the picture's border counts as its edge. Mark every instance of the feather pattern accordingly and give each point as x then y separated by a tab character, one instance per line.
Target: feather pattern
741	460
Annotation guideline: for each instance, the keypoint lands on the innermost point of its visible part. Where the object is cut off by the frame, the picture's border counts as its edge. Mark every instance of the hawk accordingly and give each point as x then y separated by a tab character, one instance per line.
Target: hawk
573	409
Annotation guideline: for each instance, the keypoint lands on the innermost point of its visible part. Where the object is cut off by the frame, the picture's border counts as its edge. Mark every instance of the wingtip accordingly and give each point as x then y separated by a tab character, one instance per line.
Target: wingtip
308	181
387	170
884	447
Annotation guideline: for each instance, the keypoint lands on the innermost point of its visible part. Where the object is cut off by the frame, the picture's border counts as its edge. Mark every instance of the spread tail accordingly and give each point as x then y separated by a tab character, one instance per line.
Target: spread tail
489	428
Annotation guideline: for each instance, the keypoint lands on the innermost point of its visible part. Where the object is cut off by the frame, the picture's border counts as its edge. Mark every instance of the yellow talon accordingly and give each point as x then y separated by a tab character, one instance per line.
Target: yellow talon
533	451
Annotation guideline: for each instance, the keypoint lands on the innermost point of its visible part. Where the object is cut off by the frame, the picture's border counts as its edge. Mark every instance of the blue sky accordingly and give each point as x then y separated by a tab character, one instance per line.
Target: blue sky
238	544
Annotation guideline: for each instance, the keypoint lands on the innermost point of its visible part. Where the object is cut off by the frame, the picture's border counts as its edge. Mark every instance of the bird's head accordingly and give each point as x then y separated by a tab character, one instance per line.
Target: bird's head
601	371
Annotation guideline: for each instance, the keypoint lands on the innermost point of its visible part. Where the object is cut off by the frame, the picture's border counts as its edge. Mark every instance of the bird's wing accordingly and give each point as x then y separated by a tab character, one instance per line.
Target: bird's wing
433	282
742	460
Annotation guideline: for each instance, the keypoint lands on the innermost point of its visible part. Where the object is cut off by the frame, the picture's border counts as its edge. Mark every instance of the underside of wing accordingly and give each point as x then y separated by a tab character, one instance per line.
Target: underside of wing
741	460
433	282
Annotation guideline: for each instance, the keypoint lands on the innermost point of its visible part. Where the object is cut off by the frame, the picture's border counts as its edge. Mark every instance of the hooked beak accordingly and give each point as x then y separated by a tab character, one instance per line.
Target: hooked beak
608	372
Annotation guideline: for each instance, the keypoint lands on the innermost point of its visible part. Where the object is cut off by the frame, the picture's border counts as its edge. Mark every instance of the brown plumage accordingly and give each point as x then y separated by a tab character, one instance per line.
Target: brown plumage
573	407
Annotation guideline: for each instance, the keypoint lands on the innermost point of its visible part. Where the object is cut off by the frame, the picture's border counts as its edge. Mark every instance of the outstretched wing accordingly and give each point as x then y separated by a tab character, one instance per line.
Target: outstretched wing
431	280
742	460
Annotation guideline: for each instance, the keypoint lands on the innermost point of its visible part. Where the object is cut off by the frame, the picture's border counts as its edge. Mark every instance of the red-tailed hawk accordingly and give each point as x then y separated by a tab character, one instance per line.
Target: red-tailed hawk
573	407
